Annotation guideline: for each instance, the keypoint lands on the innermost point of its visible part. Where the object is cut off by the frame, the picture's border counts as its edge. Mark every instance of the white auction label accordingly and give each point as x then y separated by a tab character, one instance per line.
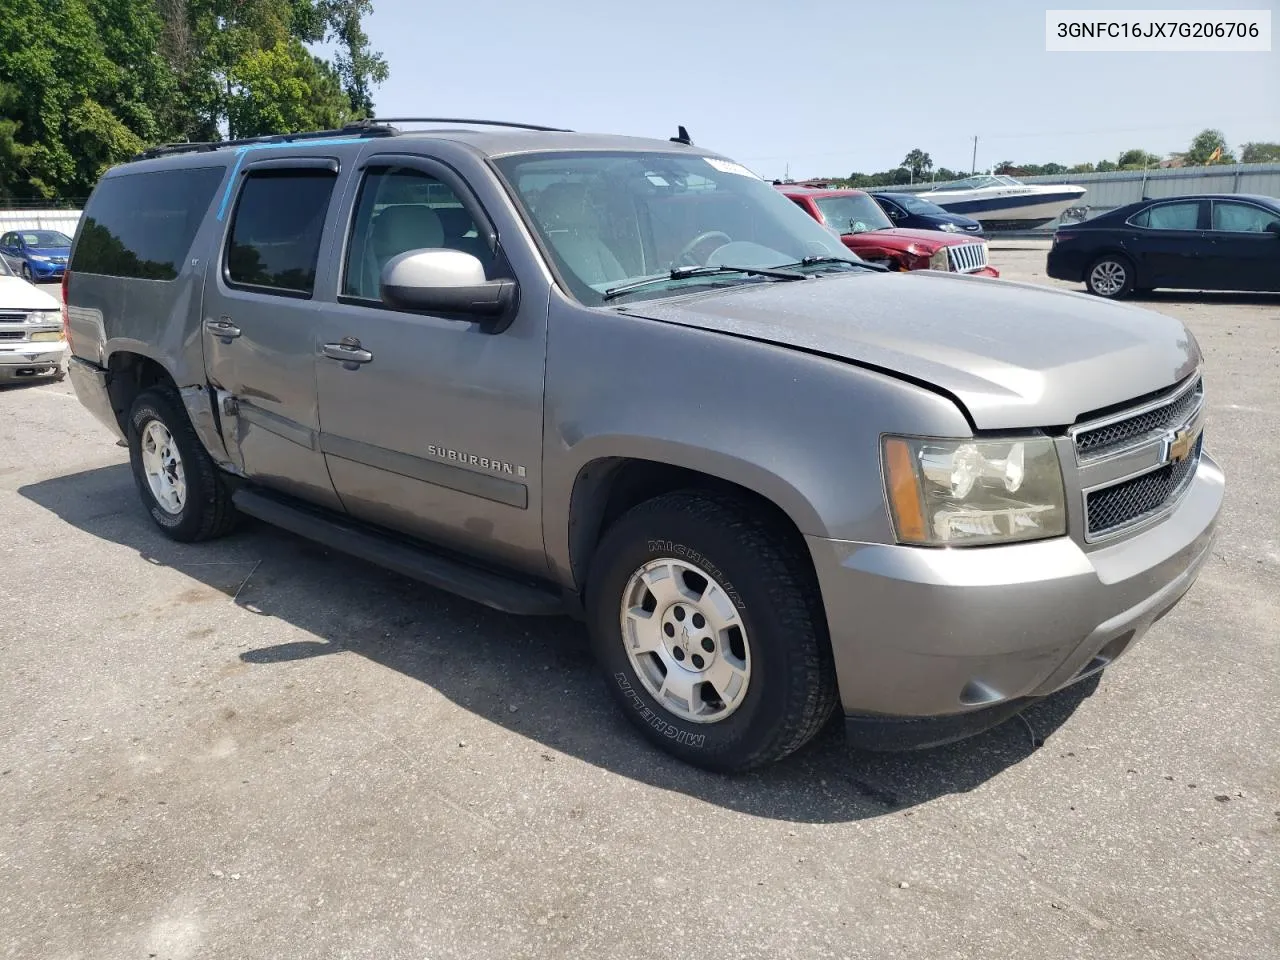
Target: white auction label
1149	31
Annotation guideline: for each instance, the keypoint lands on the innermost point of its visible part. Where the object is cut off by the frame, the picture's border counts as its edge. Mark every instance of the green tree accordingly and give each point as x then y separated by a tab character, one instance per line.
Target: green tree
359	67
1254	152
1106	166
79	79
1209	146
1137	160
283	90
919	163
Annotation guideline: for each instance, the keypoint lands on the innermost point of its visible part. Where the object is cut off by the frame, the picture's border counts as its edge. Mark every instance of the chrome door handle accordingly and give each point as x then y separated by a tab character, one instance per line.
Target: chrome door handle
348	351
223	329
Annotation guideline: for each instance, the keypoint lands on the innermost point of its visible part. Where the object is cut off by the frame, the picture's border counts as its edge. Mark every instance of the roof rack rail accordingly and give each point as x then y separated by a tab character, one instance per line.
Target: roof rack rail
359	128
479	123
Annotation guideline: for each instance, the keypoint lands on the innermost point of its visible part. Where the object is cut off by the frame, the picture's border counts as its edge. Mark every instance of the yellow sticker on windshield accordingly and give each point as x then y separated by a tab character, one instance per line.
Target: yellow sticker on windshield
728	166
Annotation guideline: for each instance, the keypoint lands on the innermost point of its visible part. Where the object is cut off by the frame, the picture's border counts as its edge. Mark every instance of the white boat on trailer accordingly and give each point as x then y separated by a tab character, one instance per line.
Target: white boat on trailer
1003	203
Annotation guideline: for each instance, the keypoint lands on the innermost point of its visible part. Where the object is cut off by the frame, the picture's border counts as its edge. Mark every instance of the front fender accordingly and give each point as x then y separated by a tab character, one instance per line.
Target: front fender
799	429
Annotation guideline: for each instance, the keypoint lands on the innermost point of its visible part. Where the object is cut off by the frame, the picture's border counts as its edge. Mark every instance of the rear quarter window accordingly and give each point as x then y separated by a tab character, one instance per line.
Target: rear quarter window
142	225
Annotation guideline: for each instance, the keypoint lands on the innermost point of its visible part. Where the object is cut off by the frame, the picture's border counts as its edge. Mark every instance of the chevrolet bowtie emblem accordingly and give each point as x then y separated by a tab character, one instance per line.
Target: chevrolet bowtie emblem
1181	442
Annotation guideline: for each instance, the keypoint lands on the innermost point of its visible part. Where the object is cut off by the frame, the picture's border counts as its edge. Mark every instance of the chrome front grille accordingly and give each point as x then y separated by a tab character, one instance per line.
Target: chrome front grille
9	316
1132	429
1136	463
1131	502
967	257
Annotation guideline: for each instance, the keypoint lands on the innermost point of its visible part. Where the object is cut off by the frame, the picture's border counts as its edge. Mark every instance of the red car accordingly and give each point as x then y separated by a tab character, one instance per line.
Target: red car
864	229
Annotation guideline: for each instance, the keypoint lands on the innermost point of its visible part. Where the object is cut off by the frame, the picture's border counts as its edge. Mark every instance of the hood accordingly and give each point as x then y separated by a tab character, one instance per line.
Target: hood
956	218
1015	355
17	294
899	238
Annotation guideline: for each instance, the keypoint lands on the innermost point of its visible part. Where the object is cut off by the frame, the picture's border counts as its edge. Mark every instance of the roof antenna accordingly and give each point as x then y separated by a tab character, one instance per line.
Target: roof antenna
682	136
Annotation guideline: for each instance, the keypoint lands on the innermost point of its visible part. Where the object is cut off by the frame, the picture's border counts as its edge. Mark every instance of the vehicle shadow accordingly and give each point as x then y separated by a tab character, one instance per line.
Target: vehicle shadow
1207	297
488	663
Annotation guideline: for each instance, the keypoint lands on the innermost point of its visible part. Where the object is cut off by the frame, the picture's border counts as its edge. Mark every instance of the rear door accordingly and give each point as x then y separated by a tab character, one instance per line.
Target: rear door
1170	245
1244	255
260	321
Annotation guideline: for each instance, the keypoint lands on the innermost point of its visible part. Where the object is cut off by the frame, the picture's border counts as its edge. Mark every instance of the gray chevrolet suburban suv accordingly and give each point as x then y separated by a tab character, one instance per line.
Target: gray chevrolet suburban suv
629	380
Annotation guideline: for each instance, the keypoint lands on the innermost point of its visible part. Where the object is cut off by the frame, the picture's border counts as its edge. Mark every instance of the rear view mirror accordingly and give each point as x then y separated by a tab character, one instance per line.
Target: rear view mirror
446	281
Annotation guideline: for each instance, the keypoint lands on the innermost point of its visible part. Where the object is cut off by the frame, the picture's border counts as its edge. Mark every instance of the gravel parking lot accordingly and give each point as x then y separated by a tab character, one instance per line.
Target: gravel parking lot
257	748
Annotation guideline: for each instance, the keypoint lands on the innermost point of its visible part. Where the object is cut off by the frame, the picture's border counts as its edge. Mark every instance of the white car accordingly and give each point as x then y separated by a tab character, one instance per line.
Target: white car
32	343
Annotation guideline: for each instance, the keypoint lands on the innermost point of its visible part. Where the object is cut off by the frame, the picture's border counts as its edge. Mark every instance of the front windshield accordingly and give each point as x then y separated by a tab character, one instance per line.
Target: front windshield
916	205
613	219
45	238
852	213
972	183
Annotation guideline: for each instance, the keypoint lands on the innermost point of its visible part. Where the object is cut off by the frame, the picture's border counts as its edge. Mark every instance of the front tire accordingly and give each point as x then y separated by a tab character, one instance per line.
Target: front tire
1110	276
179	484
707	623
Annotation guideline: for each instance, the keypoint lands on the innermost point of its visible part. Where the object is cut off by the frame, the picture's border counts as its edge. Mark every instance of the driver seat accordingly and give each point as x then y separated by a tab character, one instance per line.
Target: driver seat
573	229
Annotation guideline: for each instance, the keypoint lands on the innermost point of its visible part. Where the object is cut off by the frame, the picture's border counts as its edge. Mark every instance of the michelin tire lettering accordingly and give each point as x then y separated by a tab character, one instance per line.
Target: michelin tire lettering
668	730
688	553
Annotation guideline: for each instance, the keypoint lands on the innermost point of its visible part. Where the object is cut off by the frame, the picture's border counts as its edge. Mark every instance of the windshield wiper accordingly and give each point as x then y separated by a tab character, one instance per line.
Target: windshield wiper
684	273
811	261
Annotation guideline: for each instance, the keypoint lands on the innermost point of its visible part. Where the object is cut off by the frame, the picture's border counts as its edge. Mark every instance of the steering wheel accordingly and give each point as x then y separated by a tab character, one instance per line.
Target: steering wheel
686	251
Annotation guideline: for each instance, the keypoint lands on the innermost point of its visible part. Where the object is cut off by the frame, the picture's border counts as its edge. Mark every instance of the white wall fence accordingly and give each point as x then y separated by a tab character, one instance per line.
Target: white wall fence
1107	191
64	220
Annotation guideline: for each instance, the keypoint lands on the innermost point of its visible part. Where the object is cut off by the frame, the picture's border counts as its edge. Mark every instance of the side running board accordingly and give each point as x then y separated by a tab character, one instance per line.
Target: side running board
419	563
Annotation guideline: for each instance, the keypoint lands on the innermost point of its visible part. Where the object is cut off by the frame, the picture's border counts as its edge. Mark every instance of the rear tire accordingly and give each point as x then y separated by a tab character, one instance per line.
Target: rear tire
1110	276
747	638
180	485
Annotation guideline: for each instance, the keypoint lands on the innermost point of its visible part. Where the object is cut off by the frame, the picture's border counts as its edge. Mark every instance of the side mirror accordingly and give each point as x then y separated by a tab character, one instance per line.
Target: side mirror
897	215
447	281
1273	228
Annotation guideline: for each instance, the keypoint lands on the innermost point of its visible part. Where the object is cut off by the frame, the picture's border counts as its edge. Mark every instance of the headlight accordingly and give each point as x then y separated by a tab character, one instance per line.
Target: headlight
44	317
967	492
40	259
939	260
948	227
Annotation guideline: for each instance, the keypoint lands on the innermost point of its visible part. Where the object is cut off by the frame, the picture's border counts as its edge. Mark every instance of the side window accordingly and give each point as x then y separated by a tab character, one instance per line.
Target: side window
142	225
275	236
1241	217
402	209
1172	216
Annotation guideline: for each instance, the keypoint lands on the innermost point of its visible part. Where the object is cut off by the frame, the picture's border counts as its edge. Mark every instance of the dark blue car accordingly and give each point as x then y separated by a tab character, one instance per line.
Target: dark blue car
38	255
908	210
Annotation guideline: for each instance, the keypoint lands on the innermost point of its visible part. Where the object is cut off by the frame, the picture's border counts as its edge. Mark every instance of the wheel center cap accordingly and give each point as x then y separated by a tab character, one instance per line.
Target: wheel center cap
688	638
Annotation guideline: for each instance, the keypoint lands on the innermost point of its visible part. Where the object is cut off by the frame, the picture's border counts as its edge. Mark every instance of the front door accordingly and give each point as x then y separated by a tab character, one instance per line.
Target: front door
435	427
1245	254
260	321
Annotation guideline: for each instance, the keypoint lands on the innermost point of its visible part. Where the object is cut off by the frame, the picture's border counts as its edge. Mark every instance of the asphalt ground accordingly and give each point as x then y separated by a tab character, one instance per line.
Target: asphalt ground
258	748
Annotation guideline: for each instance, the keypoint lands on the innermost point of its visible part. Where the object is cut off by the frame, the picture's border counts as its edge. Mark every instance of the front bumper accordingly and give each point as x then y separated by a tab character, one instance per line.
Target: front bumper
46	271
23	360
935	633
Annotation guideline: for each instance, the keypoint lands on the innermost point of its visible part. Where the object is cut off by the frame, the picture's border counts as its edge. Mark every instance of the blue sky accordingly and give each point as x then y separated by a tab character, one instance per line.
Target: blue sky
826	88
